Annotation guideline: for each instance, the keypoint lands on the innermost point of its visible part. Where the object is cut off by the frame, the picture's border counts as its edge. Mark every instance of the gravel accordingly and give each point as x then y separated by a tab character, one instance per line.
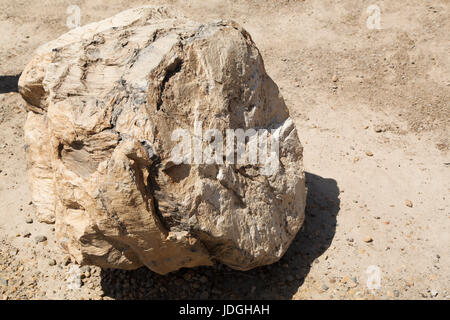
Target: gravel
40	239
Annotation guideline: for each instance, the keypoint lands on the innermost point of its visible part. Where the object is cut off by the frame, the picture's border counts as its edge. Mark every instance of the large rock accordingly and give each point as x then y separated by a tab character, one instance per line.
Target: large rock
103	102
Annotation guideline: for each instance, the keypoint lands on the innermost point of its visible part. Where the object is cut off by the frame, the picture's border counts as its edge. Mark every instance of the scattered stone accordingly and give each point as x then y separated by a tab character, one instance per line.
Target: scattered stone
187	277
368	239
39	239
369	153
349	282
3	282
66	261
433	293
396	293
325	287
380	128
408	203
29	220
52	262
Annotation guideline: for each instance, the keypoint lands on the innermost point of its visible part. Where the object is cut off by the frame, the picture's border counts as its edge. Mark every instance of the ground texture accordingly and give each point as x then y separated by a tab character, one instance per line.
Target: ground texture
372	111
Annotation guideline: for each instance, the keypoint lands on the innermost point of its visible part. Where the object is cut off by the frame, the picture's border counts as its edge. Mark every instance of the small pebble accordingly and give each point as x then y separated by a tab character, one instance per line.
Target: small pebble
368	239
369	154
408	203
29	220
52	262
40	239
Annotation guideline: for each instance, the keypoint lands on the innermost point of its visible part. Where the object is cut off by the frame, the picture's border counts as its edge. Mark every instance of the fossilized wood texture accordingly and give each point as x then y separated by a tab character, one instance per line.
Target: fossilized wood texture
102	96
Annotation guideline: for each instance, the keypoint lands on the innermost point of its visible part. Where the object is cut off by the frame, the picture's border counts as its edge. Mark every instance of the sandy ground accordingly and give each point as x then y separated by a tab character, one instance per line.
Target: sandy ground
372	111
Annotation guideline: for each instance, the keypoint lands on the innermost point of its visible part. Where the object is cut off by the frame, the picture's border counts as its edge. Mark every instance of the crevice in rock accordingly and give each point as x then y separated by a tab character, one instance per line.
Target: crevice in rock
152	189
166	207
223	250
171	70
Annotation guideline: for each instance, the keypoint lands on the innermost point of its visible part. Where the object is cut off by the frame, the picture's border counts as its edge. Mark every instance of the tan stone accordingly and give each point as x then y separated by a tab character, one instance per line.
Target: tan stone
104	100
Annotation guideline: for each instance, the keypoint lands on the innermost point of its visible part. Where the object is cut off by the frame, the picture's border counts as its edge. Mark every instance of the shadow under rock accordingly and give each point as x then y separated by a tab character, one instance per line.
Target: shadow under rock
9	84
280	280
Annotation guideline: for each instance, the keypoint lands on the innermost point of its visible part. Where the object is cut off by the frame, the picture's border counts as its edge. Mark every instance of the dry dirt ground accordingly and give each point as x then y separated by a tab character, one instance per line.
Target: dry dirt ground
372	111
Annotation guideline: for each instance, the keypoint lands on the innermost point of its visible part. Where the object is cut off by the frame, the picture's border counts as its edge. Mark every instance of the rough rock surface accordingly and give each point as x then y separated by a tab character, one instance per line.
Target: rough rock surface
103	101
